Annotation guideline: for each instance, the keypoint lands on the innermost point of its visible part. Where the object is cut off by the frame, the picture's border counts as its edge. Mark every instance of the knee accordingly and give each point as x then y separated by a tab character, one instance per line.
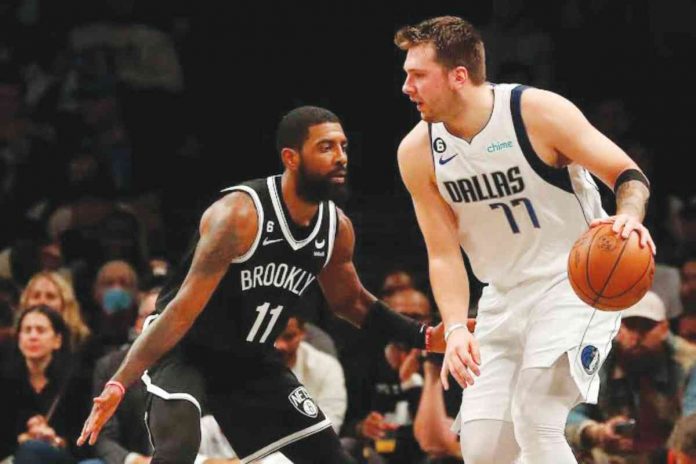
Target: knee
476	450
532	426
176	431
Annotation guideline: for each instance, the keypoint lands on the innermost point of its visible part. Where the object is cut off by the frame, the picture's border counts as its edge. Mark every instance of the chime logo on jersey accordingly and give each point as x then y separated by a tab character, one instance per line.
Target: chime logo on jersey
281	275
303	402
589	358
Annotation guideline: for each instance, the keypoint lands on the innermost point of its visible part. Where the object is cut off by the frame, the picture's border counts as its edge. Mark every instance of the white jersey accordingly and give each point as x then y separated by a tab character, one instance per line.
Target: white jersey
517	217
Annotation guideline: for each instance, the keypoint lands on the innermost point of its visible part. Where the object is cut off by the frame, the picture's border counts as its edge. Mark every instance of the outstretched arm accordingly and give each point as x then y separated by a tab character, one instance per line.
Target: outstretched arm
227	230
349	299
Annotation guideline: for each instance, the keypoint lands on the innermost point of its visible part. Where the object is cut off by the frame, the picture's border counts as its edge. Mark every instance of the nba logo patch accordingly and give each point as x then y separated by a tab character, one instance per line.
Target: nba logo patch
589	358
303	402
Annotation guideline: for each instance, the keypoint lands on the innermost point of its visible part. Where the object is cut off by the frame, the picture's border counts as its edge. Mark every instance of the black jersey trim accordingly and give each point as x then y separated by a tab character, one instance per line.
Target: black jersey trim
554	176
292	438
278	207
259	214
333	228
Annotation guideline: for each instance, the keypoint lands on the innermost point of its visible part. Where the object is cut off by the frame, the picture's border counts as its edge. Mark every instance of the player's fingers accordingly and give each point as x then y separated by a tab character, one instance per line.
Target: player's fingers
467	360
86	428
619	223
460	372
444	372
476	354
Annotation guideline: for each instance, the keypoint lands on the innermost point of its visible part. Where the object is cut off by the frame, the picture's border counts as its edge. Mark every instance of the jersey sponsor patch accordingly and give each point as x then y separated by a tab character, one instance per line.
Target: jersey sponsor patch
589	358
301	400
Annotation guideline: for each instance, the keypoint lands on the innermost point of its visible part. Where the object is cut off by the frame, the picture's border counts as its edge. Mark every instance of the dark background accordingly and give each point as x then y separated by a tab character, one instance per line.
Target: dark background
244	64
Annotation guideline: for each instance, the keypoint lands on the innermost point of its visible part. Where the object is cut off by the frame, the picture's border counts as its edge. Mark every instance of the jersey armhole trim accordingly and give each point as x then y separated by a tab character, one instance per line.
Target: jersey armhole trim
259	214
430	143
333	231
554	176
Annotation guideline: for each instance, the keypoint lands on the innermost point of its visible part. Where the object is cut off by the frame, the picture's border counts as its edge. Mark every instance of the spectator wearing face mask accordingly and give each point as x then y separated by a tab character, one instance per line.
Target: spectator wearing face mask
115	297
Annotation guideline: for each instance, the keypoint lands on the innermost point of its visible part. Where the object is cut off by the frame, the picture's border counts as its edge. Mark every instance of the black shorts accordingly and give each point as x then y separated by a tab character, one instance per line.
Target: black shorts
258	402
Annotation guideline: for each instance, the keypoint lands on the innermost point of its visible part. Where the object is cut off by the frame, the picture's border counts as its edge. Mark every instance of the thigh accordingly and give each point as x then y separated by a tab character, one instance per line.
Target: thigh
265	413
489	441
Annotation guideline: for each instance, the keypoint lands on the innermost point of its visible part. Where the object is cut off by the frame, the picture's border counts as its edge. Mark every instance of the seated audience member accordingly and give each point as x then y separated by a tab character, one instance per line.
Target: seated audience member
688	284
395	281
385	431
435	416
319	372
9	302
124	439
682	442
41	406
644	389
52	290
115	295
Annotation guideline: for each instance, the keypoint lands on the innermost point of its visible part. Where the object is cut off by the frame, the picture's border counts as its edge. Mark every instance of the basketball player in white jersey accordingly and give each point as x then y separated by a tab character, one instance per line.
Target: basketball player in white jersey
502	172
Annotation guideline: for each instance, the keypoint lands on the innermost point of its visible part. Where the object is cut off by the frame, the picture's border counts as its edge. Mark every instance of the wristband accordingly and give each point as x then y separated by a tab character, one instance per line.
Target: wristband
117	384
454	327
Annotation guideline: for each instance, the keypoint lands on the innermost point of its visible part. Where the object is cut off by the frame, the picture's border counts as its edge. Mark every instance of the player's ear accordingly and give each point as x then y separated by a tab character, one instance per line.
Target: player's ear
290	158
458	76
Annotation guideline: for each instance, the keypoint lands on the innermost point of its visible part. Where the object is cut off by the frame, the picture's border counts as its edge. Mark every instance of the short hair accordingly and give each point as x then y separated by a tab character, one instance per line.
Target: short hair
456	42
294	127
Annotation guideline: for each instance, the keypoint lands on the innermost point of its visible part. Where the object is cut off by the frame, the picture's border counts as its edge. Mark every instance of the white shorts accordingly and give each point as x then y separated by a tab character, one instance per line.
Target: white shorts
532	326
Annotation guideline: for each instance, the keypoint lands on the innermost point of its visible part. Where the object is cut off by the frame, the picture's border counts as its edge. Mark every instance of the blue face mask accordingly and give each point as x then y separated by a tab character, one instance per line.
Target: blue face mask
115	300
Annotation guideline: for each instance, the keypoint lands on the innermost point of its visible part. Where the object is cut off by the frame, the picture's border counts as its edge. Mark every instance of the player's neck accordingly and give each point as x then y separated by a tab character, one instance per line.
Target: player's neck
301	212
473	112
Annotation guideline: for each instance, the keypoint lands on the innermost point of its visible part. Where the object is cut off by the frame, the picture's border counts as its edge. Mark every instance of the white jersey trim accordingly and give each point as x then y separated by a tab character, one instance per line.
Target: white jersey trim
333	225
275	199
276	445
165	395
259	214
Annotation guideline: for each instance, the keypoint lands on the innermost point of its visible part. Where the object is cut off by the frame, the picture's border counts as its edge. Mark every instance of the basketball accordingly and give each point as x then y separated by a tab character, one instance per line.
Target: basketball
608	272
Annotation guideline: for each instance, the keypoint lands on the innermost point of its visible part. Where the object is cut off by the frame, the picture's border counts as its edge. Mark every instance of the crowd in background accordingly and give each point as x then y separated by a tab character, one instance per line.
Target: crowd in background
100	149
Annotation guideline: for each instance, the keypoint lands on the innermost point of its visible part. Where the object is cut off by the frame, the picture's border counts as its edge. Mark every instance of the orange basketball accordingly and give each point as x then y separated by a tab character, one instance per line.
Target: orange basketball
608	272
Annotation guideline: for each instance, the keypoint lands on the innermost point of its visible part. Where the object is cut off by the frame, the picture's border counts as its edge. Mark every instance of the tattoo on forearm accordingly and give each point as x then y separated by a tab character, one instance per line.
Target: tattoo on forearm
632	198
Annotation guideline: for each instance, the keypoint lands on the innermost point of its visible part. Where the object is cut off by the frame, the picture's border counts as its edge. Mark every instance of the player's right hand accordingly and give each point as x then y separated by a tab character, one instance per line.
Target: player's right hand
462	359
104	407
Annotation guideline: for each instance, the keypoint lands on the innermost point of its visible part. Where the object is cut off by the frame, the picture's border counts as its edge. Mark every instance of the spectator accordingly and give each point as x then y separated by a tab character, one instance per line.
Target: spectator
319	372
688	285
115	296
9	301
385	430
642	392
395	281
52	290
41	408
682	442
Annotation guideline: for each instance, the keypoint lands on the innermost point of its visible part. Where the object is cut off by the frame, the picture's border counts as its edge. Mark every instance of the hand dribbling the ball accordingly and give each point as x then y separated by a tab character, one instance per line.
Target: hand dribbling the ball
462	358
624	224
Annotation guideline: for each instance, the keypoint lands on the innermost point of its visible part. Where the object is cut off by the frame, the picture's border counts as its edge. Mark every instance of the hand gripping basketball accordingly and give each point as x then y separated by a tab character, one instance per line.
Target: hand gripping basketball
104	407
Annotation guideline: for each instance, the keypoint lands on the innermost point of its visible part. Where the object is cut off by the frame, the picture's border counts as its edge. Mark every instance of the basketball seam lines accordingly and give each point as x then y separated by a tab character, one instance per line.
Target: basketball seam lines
647	268
587	262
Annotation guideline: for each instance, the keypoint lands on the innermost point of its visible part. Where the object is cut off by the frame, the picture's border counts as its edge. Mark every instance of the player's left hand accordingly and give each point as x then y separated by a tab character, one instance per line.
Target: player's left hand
104	407
624	224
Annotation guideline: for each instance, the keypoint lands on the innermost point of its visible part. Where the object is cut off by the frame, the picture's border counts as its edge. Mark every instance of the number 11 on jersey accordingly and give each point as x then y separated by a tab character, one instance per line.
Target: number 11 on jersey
262	310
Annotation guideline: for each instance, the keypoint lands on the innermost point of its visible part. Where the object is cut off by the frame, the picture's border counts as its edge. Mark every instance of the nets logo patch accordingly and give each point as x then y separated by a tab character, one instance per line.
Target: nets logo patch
303	402
589	358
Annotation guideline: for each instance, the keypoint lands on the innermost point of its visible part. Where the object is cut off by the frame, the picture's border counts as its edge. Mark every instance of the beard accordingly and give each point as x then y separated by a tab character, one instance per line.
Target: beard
641	363
315	188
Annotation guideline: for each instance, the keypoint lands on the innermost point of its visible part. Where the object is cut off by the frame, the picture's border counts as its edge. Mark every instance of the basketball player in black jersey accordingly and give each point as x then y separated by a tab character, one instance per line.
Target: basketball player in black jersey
210	343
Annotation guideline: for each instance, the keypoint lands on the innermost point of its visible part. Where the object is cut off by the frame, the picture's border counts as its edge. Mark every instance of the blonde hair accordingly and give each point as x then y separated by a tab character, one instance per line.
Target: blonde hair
71	313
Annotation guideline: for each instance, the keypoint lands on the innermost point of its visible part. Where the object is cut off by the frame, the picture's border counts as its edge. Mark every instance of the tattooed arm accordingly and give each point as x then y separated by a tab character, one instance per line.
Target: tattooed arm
227	230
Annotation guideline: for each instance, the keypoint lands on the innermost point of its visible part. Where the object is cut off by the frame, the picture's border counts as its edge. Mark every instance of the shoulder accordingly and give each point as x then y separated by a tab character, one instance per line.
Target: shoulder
684	354
414	143
234	213
415	158
540	106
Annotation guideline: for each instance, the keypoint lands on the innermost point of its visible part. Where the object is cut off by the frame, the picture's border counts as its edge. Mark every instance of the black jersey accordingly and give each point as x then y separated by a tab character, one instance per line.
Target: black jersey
261	289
